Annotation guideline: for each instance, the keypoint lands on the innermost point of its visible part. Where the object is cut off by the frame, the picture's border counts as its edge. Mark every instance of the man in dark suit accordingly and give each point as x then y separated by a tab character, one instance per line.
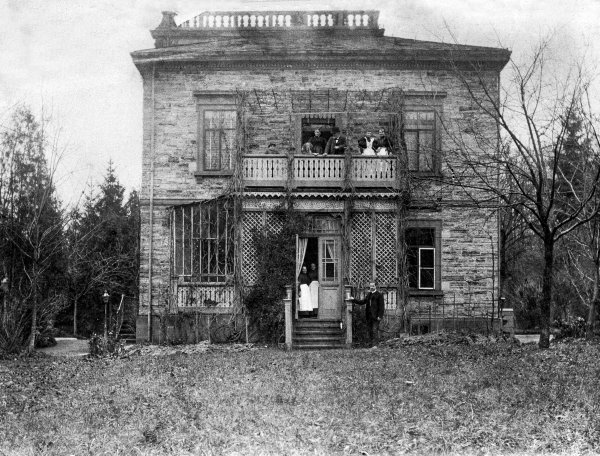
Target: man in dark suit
336	144
383	144
374	311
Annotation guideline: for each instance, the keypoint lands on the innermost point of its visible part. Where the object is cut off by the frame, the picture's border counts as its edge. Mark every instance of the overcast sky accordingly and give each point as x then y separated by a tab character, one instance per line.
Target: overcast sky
72	56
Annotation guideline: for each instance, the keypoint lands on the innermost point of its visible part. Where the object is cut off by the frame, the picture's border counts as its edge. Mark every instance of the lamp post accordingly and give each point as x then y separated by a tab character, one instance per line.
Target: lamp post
105	297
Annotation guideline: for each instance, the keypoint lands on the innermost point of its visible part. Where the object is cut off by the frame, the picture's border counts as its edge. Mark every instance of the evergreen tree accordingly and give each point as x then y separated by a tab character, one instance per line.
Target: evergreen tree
104	246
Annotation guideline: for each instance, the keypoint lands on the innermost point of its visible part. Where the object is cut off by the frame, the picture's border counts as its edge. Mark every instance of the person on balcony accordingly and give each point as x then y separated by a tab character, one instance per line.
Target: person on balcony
336	144
366	144
305	307
318	143
383	144
272	149
373	312
313	275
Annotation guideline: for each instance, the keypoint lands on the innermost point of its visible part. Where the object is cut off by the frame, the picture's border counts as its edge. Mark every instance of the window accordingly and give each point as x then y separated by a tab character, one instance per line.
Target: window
219	139
422	258
420	138
217	129
329	259
203	241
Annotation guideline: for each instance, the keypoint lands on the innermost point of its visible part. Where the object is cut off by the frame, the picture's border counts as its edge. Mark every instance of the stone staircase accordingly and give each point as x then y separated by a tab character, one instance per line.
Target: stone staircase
317	334
127	333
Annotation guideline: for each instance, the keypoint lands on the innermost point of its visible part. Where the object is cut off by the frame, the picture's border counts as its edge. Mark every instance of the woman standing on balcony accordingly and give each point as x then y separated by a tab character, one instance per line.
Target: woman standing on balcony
313	275
366	144
318	143
305	307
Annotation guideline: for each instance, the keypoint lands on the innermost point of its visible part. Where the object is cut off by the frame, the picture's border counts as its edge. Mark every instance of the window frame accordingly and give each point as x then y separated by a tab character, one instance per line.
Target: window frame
419	107
213	101
189	260
335	260
436	225
420	266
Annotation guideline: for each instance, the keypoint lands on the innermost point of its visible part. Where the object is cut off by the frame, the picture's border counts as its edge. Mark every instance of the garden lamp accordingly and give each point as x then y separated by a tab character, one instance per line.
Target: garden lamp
105	297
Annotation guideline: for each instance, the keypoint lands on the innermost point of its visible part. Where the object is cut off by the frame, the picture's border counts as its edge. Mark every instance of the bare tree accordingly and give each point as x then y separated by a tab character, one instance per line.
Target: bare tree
32	221
527	170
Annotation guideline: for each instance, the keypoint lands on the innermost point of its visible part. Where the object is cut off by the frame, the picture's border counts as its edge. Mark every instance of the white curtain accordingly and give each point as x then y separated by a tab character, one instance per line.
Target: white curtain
301	244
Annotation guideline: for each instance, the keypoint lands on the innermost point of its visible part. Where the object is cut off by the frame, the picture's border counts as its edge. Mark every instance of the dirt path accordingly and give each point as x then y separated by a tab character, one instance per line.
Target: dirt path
67	346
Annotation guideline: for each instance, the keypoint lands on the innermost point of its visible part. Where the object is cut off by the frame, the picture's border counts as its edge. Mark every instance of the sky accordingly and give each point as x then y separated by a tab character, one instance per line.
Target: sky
71	58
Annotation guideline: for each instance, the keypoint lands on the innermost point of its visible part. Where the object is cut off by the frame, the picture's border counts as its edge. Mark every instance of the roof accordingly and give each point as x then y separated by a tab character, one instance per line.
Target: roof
299	43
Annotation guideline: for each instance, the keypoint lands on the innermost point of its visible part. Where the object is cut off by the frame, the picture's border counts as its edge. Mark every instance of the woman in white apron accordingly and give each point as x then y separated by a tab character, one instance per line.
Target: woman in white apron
366	144
313	275
304	302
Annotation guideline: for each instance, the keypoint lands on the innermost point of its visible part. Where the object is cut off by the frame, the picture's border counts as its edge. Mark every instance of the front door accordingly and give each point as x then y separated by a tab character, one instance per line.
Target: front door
330	282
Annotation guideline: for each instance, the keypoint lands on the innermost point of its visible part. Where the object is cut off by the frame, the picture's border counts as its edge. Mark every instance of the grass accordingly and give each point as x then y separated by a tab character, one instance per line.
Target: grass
478	399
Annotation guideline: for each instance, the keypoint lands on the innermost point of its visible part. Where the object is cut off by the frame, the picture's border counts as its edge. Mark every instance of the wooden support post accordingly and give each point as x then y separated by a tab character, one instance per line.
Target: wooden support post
348	317
288	316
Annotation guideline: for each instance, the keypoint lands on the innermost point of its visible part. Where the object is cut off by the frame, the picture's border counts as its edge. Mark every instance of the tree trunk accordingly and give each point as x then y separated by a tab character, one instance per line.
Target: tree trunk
75	317
36	296
546	303
590	325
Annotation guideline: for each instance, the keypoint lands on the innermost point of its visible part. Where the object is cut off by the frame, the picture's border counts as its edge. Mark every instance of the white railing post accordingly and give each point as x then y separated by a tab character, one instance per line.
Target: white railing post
348	315
288	316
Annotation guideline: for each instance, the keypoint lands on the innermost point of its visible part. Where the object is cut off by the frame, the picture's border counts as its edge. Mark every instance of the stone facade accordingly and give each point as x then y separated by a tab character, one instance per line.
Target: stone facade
276	93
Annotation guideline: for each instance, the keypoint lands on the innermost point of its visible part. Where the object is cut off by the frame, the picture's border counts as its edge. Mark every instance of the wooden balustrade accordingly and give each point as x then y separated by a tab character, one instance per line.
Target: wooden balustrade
268	169
309	171
197	295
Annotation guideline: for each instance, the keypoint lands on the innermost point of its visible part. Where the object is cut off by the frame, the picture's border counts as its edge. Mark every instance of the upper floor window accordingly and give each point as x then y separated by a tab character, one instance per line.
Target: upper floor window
217	130
219	139
420	138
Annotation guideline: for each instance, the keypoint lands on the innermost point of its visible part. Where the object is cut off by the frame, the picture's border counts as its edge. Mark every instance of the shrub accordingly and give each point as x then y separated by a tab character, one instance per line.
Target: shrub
101	346
527	305
571	327
276	260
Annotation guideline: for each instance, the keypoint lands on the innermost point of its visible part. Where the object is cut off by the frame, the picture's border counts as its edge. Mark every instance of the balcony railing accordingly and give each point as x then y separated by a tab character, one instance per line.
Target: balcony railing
199	295
318	172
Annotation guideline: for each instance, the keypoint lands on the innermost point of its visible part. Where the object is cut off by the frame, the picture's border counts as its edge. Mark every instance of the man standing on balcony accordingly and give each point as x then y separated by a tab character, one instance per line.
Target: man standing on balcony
374	312
336	144
318	143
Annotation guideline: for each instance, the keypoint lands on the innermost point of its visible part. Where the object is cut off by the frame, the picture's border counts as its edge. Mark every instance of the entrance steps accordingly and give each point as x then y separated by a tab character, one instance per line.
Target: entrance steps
317	334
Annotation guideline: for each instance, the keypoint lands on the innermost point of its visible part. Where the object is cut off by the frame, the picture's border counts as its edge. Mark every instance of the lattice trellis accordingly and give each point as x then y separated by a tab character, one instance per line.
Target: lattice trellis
385	248
361	245
274	222
250	222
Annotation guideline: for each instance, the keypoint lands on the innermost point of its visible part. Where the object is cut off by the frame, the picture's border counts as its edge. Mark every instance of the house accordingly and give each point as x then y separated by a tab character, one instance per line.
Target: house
230	101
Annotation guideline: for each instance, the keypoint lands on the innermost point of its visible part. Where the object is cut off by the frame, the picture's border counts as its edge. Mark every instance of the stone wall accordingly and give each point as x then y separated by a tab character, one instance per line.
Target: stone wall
469	234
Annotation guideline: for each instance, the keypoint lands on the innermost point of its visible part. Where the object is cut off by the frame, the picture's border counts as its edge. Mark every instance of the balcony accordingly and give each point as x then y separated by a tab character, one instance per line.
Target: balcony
308	171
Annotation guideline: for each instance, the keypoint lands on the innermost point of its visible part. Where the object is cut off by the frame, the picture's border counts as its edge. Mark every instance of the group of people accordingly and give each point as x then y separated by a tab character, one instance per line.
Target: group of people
308	301
380	145
308	292
318	145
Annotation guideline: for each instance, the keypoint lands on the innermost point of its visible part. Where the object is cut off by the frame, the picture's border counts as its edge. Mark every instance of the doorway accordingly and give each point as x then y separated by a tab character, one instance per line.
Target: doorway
325	253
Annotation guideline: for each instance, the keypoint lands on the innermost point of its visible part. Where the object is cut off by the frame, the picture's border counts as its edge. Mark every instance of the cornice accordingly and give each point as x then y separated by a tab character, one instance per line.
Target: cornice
202	66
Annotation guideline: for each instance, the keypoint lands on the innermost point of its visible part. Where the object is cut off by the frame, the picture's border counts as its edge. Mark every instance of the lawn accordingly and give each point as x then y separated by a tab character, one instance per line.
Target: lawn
448	399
